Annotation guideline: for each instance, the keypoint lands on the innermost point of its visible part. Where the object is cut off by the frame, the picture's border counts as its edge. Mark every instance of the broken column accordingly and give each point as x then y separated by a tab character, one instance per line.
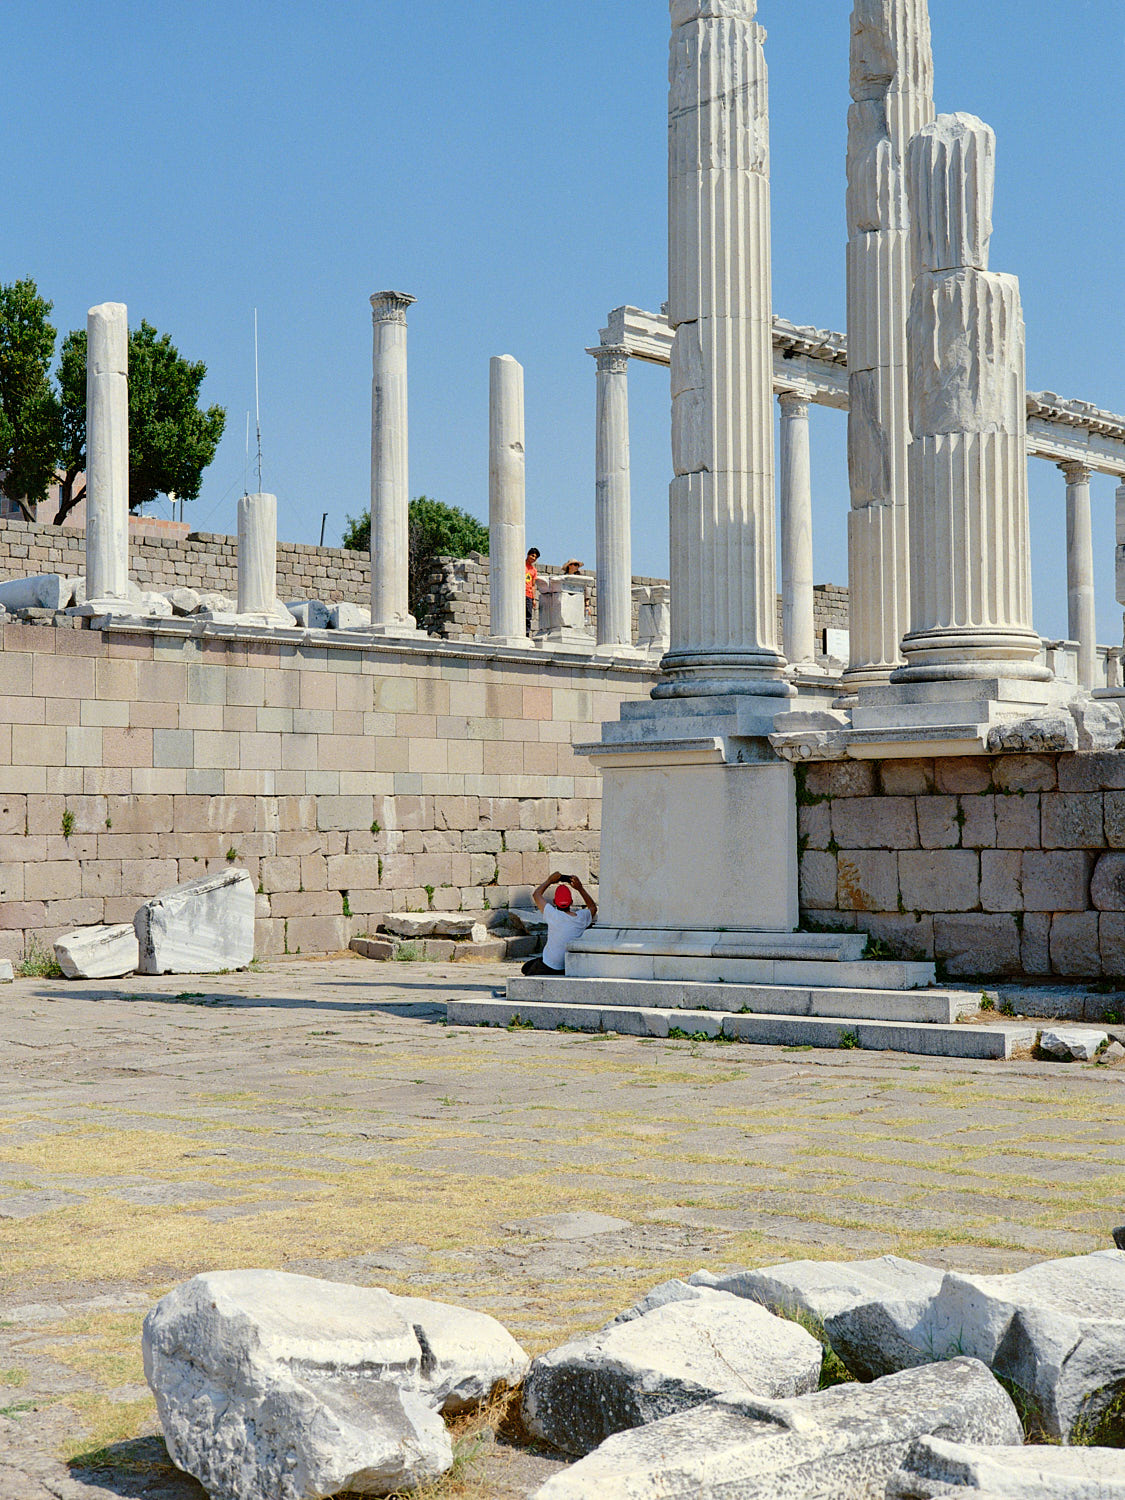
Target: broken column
390	473
797	623
506	500
612	514
1082	623
107	459
970	547
892	93
723	571
257	554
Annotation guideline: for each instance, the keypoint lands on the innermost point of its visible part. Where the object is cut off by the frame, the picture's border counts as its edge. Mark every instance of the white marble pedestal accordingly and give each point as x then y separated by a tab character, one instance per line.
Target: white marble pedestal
562	613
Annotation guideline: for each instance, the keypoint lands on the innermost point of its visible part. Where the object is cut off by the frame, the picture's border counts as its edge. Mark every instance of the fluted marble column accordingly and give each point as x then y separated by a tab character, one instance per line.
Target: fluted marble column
797	626
390	473
1082	623
257	554
612	509
969	530
722	568
892	92
107	454
506	501
1119	551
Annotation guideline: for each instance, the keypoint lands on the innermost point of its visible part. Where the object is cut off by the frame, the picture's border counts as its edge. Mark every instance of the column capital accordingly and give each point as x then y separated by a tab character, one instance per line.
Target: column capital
793	403
390	307
1076	472
611	358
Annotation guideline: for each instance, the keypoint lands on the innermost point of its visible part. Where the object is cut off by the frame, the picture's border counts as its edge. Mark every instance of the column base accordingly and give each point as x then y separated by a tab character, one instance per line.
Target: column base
963	716
705	674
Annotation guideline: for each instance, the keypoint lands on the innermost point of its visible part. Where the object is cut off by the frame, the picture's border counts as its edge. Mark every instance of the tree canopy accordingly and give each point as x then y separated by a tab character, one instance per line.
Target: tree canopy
436	530
29	407
171	441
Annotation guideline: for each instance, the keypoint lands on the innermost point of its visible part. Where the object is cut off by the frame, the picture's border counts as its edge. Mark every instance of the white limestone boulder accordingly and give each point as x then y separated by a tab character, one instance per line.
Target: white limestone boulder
1073	1044
821	1288
1055	1330
7	973
218	604
41	591
936	1468
184	601
454	924
670	1357
198	928
346	616
98	952
269	1384
153	606
1099	725
843	1442
309	613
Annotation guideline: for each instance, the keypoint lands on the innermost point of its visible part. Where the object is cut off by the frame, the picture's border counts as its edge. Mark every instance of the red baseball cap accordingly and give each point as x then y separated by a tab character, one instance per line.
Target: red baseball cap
563	896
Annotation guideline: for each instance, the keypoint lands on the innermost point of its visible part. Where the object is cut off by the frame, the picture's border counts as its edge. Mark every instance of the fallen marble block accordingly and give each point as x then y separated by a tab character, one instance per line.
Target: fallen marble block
98	952
269	1384
845	1442
310	613
219	604
345	616
198	928
820	1288
41	591
667	1358
1055	1330
184	601
7	973
454	924
1042	734
1099	724
1113	1053
368	947
1072	1045
936	1468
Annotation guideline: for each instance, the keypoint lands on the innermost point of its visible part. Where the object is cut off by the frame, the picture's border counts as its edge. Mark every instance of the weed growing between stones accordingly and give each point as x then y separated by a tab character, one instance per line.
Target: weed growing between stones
833	1371
406	953
987	1002
1102	1426
849	1040
517	1023
67	823
37	962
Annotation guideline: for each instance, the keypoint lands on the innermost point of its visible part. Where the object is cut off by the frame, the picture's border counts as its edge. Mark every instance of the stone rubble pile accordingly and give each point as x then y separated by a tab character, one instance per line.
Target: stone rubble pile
268	1383
451	936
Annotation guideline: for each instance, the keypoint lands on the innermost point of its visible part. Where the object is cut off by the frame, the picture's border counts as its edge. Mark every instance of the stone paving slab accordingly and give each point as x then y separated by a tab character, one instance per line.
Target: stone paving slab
321	1117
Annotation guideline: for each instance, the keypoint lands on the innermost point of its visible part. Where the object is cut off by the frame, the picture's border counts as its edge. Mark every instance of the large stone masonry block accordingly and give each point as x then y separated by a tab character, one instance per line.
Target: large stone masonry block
1075	948
1107	888
848	778
198	928
1072	820
1018	822
1111	943
1056	880
978	821
909	936
1024	773
875	823
938	825
962	774
818	881
867	880
978	943
318	934
1035	944
814	825
1001	880
1096	772
939	880
1114	803
906	778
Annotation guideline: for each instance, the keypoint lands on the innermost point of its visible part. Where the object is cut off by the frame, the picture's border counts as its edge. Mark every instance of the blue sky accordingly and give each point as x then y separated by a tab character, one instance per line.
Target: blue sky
505	164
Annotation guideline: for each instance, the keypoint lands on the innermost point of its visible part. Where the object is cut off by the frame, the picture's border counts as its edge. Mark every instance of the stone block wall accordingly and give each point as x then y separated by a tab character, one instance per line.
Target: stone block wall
997	867
349	781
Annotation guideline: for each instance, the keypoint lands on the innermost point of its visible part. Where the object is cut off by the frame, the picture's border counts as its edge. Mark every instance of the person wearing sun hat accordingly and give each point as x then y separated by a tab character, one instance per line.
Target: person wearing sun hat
564	924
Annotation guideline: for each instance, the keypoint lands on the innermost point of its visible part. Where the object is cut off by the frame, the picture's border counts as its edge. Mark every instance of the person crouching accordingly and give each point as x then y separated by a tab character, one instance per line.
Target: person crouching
564	923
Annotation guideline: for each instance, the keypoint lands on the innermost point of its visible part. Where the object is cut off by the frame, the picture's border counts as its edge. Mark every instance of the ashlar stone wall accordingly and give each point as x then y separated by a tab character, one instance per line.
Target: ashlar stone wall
1005	866
349	781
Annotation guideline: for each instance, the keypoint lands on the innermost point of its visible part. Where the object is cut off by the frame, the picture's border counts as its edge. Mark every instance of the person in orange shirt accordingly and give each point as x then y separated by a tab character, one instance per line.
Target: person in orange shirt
531	574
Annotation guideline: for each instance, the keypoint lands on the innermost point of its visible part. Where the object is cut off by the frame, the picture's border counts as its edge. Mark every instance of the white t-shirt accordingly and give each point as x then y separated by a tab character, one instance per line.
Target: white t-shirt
562	928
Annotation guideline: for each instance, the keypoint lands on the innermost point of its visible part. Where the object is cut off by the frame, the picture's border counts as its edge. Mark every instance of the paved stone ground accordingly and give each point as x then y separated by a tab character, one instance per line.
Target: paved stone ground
321	1117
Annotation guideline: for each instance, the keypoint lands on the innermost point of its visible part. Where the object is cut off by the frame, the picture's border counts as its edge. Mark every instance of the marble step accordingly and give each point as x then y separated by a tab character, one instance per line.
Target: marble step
858	1003
992	1042
585	961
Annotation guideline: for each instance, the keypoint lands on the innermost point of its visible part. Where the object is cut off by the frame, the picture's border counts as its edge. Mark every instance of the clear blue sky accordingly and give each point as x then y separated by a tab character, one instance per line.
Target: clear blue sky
505	163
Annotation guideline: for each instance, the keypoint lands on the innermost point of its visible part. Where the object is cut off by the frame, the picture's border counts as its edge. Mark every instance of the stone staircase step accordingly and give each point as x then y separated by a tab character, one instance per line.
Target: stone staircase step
729	968
931	1006
993	1042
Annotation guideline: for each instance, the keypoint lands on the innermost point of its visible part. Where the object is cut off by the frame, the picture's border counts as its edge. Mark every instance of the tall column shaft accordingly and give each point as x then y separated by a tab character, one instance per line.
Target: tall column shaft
257	554
797	625
506	499
107	452
892	93
612	512
969	528
390	473
723	568
1082	622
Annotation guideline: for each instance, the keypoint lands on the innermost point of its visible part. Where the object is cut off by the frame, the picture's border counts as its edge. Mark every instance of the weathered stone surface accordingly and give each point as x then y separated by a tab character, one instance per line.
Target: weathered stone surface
687	1346
978	943
935	1467
939	879
310	613
846	1441
1039	735
1025	773
1107	887
1071	820
372	948
1071	1044
1056	1330
867	880
1076	944
964	774
98	952
1099	725
43	591
875	823
938	827
184	601
198	928
820	1288
273	1384
818	880
1056	879
1113	1054
345	616
452	924
7	973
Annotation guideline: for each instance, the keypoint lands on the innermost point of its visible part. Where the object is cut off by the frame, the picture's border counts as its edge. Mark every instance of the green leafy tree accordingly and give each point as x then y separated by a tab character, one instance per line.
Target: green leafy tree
171	441
29	408
436	530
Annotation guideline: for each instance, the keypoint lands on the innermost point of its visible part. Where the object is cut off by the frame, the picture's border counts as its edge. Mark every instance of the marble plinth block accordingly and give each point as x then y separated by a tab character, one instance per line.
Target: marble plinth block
506	501
257	554
562	612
